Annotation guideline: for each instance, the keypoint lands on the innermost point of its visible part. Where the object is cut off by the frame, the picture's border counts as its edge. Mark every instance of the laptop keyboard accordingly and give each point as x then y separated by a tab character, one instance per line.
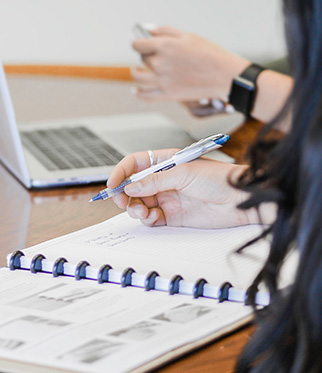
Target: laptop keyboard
69	147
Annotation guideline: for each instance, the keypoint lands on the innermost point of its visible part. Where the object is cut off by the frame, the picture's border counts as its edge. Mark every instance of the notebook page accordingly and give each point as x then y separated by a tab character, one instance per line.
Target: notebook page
193	253
80	326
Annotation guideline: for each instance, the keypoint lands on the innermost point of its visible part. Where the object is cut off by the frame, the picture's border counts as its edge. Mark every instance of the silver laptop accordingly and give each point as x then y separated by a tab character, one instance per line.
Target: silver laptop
79	151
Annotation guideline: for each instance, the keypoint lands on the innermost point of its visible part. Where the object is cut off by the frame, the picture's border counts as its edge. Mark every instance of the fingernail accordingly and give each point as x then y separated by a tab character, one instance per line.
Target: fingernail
138	211
134	188
153	214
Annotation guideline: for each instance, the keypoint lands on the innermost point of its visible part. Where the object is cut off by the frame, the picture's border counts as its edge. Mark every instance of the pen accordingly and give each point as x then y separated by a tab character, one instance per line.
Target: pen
185	155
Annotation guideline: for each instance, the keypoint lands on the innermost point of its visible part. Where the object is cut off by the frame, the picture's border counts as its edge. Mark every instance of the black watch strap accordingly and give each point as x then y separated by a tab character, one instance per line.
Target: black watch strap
243	89
252	71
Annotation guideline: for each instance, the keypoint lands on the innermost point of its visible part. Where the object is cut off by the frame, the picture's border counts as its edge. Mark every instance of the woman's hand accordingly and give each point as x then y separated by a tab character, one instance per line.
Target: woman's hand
184	67
195	194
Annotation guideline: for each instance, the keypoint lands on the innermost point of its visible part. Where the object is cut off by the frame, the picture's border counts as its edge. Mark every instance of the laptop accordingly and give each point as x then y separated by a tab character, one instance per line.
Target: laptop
79	151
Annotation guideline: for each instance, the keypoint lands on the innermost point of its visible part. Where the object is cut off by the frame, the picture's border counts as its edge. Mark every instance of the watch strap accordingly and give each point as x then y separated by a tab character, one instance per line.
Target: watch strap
251	72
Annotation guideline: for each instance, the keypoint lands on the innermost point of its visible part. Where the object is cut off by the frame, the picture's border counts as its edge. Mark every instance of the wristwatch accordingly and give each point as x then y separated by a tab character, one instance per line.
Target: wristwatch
243	89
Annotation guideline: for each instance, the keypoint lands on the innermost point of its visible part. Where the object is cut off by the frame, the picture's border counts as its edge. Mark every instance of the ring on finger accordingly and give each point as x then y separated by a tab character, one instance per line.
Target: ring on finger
152	157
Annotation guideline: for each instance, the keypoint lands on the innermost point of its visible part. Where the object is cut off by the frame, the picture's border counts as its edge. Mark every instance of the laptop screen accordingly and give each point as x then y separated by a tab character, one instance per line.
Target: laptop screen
11	152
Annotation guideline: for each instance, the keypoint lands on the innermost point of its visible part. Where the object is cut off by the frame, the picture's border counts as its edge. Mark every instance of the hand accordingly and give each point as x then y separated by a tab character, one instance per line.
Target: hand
184	67
196	194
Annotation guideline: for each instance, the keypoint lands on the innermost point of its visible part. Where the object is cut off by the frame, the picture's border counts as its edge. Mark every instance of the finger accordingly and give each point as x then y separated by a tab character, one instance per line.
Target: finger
155	218
151	95
153	62
144	88
165	31
121	200
144	77
137	209
150	202
174	179
136	162
147	89
129	165
145	46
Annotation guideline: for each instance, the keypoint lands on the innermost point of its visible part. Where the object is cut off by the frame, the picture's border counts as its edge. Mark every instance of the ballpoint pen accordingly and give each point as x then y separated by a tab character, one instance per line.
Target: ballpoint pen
185	155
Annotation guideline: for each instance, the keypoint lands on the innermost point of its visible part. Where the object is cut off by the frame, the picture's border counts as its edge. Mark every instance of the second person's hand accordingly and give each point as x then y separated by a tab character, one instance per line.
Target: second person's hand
184	67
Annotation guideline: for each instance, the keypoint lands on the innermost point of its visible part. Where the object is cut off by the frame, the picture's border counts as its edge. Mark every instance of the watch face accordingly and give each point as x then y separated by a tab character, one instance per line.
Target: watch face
242	95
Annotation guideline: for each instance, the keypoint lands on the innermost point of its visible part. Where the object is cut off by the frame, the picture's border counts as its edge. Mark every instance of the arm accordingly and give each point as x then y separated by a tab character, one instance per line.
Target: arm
196	194
186	67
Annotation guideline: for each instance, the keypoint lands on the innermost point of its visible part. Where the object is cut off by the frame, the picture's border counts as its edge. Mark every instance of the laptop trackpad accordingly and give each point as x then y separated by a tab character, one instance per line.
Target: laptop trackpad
143	139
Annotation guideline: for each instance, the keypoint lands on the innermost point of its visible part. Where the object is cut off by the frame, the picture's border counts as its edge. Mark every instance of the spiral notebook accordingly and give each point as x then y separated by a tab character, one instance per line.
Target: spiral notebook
123	295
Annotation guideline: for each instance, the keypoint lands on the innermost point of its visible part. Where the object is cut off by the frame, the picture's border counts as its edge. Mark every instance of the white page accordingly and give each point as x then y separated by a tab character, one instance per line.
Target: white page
86	327
193	253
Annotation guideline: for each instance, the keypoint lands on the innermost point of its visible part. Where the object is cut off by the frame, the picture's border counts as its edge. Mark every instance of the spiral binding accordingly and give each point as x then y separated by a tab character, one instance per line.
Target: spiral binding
199	287
103	273
126	279
174	284
149	283
103	276
36	263
14	262
224	291
58	267
80	271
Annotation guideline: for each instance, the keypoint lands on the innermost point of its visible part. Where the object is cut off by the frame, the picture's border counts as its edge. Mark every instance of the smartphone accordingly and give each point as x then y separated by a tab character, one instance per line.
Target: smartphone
141	30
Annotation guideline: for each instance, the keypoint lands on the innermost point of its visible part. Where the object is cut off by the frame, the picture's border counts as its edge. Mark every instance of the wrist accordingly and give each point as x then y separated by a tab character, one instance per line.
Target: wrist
234	66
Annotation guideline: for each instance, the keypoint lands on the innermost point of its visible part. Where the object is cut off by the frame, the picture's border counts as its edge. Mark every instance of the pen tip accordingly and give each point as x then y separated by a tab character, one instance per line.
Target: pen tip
96	198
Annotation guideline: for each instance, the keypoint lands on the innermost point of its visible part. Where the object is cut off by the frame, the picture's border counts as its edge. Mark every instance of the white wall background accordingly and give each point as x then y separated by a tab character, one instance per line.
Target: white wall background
100	31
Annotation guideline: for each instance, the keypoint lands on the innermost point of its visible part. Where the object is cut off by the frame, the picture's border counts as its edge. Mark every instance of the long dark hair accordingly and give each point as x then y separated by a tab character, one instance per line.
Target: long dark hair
288	337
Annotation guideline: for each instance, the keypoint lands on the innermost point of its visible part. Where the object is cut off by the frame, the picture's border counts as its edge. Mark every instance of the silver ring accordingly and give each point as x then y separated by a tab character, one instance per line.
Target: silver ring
152	157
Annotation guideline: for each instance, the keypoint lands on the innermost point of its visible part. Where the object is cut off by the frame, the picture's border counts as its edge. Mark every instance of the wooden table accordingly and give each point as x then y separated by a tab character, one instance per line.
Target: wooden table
30	217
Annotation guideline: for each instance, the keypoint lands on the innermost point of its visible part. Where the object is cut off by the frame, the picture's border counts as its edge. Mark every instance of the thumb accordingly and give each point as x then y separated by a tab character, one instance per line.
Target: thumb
174	179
